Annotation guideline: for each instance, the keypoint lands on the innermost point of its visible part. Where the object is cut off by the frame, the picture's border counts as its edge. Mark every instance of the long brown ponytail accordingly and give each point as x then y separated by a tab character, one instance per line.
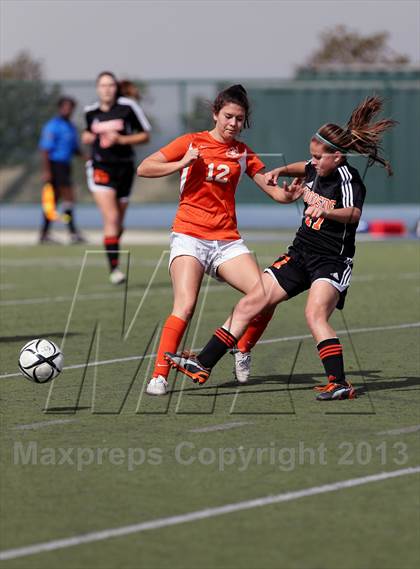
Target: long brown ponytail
361	134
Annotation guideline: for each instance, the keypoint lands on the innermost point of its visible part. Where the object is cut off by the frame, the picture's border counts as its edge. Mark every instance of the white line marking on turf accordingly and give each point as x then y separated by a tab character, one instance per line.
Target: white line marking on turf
7	286
412	429
344	332
64	263
269	341
90	364
92	296
370	278
222	427
212	288
200	514
43	424
50	299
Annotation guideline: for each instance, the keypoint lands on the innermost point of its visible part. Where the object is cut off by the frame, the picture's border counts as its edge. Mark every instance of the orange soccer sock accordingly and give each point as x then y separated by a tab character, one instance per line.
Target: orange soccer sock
171	336
255	330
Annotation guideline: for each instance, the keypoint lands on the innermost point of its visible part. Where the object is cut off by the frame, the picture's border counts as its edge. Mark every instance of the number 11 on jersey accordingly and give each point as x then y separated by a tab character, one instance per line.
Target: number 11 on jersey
314	223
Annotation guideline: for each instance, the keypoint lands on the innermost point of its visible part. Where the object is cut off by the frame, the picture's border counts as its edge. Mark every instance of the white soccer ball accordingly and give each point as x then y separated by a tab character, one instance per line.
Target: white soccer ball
40	360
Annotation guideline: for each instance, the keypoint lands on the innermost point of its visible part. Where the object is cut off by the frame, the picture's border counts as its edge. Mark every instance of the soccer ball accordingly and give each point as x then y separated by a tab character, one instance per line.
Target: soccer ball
40	360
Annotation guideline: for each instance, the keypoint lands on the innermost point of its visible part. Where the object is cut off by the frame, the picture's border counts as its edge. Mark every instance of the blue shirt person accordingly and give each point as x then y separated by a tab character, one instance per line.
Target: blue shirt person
59	142
59	139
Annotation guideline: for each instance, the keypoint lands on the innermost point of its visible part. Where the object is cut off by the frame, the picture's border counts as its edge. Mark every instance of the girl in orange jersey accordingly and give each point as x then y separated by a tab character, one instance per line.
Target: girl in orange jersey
205	237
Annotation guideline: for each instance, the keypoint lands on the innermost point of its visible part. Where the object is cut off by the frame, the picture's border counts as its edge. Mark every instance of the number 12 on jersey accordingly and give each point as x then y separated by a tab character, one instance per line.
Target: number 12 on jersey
223	171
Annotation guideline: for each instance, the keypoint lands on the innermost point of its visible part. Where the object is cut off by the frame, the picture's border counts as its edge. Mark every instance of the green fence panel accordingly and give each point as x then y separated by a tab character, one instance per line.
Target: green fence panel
284	119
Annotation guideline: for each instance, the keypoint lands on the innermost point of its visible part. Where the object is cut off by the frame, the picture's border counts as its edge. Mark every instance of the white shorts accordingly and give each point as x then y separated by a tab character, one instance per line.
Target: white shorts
211	254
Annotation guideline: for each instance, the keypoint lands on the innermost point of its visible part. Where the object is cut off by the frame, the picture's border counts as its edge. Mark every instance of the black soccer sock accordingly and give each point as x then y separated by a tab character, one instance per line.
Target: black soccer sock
221	342
45	225
112	246
331	354
69	218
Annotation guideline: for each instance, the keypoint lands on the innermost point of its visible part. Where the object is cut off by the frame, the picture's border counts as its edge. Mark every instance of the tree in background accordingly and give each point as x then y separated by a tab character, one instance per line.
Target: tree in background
22	68
27	102
342	46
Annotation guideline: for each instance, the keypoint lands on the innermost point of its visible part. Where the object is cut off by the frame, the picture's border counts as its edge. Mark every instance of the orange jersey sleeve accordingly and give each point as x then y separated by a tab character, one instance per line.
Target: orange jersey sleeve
176	149
253	163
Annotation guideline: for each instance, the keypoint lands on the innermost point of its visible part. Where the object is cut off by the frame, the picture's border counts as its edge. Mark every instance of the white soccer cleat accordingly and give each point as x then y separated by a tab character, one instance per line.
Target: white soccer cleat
242	366
117	277
157	386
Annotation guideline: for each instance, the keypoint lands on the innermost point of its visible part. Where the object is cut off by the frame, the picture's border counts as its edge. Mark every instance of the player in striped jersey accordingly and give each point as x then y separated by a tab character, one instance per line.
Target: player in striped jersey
113	125
205	237
321	256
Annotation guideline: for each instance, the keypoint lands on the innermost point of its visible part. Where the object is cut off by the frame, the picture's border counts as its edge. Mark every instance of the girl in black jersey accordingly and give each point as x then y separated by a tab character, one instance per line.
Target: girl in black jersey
320	257
113	125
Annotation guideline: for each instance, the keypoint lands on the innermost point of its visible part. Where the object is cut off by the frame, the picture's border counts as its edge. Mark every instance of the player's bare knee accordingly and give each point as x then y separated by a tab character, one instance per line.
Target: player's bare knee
248	307
315	315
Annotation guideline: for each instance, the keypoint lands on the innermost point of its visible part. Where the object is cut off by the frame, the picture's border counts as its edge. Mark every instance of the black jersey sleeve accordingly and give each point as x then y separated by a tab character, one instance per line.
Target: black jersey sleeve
310	172
136	118
353	191
310	176
89	116
133	120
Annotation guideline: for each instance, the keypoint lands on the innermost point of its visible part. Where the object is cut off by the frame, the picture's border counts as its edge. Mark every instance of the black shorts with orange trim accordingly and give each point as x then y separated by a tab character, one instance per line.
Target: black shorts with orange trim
110	176
298	269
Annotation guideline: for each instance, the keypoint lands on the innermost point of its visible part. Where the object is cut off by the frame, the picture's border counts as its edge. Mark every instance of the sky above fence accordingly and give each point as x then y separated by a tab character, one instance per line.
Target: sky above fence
200	38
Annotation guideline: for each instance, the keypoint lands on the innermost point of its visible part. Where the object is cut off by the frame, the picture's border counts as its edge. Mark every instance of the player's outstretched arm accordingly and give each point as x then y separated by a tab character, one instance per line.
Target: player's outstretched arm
295	170
342	214
285	194
157	166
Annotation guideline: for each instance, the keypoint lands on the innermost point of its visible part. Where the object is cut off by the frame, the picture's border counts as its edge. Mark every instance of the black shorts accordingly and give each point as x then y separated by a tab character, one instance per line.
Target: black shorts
106	176
296	271
60	174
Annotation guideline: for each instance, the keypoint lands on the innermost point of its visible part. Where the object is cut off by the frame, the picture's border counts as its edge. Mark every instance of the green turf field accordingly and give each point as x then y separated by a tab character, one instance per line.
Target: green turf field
91	452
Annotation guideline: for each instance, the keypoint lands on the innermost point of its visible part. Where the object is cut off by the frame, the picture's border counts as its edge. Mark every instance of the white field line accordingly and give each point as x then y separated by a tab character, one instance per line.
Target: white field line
201	514
65	263
222	427
400	277
93	296
404	430
269	341
43	424
211	288
343	332
74	262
